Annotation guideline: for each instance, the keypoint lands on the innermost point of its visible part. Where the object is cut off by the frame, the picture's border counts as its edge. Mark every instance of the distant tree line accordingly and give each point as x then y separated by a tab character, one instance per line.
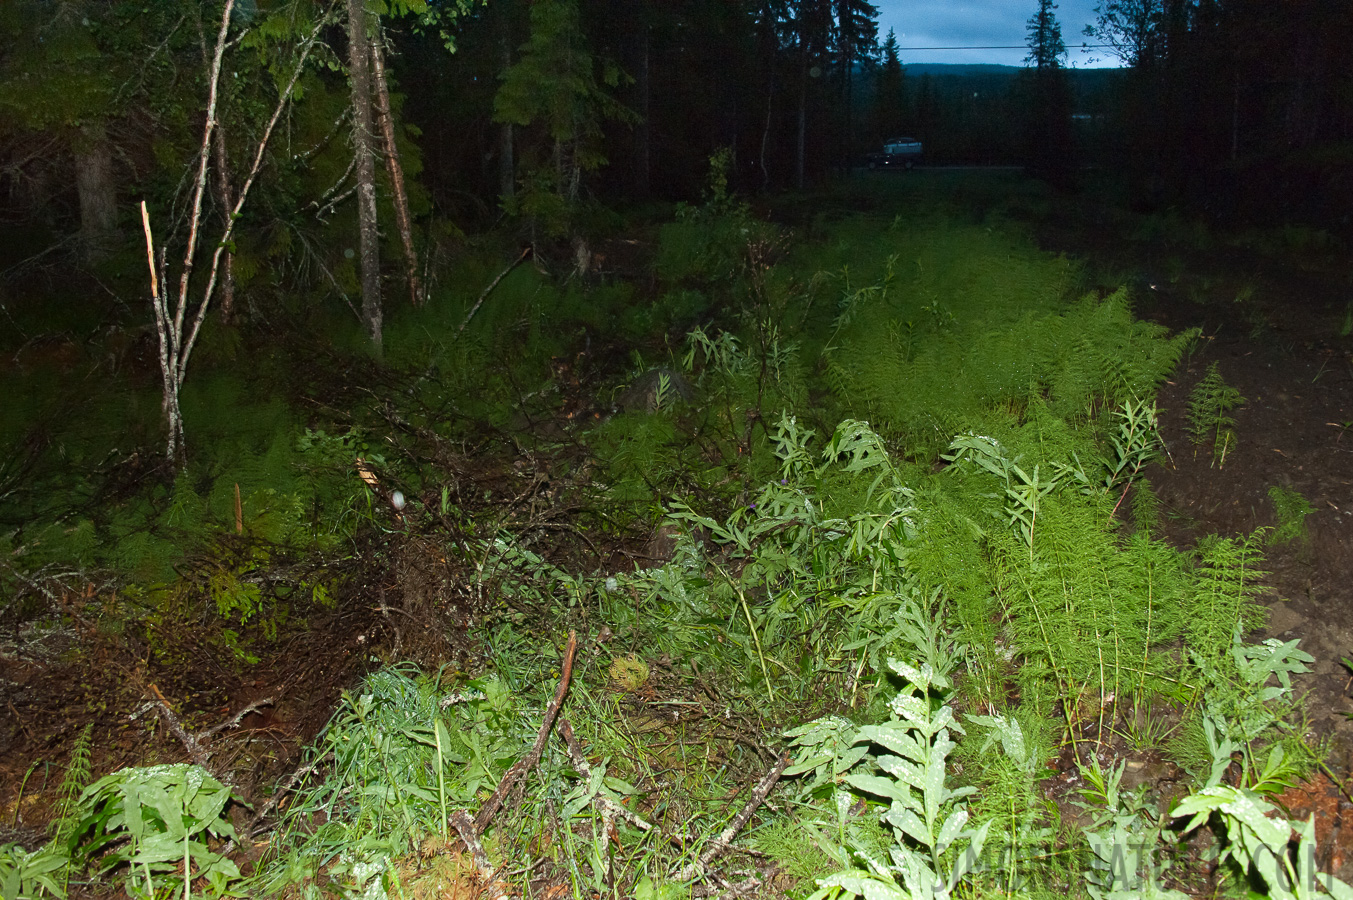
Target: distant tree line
549	110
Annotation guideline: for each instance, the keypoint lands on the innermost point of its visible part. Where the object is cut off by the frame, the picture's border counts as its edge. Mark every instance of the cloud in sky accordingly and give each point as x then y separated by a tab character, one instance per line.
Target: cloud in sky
981	23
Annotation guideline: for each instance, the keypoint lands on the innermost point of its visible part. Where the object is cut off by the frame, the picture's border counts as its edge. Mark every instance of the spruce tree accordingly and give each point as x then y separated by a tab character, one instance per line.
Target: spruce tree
1049	133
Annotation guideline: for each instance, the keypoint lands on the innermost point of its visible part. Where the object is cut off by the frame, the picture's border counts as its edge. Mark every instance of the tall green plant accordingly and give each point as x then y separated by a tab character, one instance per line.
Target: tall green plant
30	875
404	749
1291	509
1256	840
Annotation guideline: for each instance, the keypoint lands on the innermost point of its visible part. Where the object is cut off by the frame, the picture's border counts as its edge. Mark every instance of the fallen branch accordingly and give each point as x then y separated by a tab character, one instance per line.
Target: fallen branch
190	743
744	888
489	290
725	838
236	719
529	761
193	743
248	834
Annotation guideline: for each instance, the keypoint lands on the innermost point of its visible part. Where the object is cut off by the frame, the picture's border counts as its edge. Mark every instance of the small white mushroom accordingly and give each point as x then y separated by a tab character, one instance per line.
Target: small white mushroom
397	500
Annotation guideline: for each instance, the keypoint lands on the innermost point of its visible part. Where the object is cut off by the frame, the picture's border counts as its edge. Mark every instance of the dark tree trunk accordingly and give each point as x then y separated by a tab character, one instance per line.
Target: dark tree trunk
850	113
98	196
803	126
359	70
765	132
226	195
641	131
507	162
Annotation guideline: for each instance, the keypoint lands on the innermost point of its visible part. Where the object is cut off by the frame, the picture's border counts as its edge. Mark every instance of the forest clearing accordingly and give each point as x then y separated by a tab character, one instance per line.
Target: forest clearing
948	532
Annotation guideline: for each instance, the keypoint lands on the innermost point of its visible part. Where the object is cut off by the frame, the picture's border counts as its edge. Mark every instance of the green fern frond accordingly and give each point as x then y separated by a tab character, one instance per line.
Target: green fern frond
1222	597
1291	509
1209	413
73	783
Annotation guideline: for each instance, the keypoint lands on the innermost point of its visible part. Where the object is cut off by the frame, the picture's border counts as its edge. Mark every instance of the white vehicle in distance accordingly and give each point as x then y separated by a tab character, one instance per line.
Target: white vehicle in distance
900	153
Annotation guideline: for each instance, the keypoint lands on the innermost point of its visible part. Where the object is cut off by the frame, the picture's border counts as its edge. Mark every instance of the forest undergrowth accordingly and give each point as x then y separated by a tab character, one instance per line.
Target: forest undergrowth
827	564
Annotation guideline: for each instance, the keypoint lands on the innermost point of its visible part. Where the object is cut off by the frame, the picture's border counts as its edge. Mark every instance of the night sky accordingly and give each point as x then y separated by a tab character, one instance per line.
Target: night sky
968	23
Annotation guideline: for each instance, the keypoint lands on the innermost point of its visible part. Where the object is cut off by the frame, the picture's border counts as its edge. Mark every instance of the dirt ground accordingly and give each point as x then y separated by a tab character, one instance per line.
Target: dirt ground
1272	326
1272	323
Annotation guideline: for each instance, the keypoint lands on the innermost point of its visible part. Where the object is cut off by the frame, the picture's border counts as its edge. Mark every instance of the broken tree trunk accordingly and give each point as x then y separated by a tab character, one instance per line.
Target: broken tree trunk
403	220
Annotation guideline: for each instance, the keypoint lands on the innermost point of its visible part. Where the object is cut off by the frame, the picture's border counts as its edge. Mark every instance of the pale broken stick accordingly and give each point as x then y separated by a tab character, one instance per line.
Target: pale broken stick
608	806
465	827
725	838
489	290
470	830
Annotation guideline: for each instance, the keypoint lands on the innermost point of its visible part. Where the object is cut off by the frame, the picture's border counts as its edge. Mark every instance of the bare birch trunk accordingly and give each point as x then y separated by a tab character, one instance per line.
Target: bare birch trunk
359	70
177	334
224	191
403	220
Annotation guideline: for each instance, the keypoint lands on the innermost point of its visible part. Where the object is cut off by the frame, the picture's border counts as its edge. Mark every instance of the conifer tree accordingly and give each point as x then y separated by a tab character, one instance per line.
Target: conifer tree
856	43
1050	140
892	114
558	89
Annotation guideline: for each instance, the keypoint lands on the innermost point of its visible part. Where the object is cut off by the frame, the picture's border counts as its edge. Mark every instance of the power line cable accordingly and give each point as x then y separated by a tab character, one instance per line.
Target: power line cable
1011	47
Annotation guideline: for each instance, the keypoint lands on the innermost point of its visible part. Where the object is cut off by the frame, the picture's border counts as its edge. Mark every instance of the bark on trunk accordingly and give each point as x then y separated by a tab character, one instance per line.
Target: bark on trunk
803	127
98	197
403	220
641	144
765	132
226	195
359	70
507	163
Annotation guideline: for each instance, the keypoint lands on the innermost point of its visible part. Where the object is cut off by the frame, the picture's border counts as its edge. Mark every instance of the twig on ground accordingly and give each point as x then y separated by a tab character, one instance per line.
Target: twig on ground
725	838
248	834
234	721
528	761
489	290
744	888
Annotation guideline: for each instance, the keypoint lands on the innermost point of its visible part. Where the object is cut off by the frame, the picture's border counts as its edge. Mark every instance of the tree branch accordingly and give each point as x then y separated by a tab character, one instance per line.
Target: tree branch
522	765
